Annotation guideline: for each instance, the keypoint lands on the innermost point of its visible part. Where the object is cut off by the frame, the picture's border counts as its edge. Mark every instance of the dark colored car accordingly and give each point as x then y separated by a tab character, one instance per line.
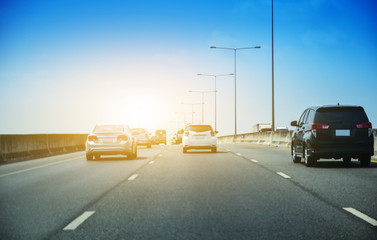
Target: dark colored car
335	131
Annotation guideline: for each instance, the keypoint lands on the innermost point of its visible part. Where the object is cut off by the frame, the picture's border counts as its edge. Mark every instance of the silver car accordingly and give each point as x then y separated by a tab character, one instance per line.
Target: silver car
142	137
110	139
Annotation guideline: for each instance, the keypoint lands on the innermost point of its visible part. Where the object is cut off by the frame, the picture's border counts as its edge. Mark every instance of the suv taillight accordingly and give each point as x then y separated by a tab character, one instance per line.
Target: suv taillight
122	138
320	126
212	133
186	133
364	125
92	138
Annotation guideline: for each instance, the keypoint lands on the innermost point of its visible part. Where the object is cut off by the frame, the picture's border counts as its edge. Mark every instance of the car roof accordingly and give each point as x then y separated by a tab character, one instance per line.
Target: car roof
332	106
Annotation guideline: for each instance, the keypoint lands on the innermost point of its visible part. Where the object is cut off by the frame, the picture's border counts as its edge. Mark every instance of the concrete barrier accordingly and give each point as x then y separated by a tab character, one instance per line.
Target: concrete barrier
273	139
23	147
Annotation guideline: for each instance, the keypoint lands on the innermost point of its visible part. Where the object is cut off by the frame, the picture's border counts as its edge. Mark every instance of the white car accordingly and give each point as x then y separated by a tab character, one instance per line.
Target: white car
199	136
110	139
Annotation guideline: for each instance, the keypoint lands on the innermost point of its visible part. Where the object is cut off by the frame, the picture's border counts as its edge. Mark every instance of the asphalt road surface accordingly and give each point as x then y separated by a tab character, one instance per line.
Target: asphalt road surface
241	192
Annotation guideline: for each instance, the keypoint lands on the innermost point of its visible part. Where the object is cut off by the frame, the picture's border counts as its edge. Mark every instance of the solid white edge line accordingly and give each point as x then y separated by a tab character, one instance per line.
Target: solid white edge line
133	177
283	175
361	215
79	220
42	166
253	160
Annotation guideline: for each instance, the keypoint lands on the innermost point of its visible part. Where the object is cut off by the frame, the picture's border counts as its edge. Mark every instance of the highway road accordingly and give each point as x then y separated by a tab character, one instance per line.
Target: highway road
241	192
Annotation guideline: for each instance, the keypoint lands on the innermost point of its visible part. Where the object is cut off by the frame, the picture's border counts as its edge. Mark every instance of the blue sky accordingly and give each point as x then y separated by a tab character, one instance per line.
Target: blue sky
66	65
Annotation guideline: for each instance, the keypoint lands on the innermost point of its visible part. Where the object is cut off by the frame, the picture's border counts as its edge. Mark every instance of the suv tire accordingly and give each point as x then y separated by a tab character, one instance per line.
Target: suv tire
309	160
295	159
364	161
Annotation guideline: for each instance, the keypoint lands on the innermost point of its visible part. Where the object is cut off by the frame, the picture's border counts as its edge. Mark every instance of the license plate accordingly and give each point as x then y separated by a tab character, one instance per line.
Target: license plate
107	140
342	133
199	137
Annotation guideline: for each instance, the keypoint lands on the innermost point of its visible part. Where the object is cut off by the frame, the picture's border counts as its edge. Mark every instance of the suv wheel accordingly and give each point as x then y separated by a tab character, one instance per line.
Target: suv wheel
347	160
295	159
184	150
214	149
309	160
364	161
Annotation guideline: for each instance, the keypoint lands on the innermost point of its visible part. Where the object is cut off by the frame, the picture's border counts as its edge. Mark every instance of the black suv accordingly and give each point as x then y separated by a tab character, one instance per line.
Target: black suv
336	131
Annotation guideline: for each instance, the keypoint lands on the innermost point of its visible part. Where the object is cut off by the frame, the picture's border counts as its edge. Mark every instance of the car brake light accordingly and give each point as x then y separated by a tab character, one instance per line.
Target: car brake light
320	126
122	138
92	138
186	133
212	133
364	125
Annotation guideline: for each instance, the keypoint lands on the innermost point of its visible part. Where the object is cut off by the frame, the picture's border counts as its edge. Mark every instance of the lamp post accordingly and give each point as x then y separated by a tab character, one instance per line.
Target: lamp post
235	80
202	92
215	75
192	110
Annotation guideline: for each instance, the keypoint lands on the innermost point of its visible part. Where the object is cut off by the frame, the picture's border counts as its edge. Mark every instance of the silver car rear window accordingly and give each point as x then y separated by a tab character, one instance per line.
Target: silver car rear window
200	128
138	131
108	129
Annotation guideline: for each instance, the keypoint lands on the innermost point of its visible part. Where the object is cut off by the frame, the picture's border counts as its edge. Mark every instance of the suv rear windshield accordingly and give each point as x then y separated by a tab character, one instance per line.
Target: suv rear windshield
352	115
108	129
200	128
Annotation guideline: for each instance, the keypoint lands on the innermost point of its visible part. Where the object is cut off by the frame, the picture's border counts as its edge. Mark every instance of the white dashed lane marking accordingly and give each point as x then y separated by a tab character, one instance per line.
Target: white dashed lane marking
283	175
239	154
133	177
253	160
361	215
75	223
151	162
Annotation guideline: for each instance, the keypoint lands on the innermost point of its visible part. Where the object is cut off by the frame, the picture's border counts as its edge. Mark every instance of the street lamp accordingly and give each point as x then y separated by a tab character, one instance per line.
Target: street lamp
215	75
184	117
202	92
192	110
235	80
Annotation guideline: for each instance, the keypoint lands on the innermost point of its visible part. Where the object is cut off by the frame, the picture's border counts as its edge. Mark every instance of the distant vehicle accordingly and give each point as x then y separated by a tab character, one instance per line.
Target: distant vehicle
160	136
110	139
179	135
199	136
173	140
262	127
142	137
332	132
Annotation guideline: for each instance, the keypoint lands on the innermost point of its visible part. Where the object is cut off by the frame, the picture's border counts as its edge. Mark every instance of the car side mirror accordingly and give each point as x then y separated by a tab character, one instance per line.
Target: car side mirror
294	124
216	132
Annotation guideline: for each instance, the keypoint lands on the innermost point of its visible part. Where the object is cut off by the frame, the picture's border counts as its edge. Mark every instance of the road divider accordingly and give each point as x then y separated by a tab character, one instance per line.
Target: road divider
30	146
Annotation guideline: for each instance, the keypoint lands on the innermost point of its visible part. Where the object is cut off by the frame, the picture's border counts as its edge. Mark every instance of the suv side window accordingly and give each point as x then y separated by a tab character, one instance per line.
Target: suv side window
310	118
301	121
